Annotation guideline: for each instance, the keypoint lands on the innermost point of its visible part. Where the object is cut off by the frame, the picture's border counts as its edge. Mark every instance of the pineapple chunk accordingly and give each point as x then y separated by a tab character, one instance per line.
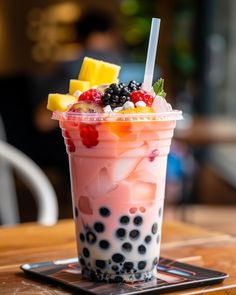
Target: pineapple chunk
60	102
78	85
98	72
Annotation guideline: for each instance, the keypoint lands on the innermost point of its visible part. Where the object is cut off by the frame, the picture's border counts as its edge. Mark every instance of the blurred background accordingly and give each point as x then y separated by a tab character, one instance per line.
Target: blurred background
42	44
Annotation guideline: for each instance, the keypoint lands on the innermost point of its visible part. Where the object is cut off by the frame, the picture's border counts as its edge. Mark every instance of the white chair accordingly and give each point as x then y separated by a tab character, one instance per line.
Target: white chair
34	178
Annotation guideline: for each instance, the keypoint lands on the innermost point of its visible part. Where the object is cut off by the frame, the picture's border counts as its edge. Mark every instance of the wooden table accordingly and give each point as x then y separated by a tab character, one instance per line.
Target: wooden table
34	243
206	130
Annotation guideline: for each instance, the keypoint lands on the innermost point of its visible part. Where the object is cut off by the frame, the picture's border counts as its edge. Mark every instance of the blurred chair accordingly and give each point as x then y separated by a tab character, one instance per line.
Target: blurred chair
35	179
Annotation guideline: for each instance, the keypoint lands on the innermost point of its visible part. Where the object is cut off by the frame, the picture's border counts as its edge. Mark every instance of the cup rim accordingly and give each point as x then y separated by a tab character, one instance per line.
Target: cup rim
117	117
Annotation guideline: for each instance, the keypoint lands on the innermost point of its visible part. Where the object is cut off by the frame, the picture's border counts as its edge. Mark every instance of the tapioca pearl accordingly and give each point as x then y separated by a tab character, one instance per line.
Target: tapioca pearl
138	220
82	261
134	234
115	267
100	263
132	210
76	212
160	212
127	247
128	266
142	264
124	219
141	249
121	233
137	276
117	257
99	227
86	252
148	239
91	237
154	228
142	209
158	239
82	237
104	211
118	279
104	244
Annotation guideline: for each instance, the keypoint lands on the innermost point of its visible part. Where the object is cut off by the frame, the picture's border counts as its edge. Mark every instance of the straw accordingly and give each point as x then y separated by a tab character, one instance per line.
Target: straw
151	54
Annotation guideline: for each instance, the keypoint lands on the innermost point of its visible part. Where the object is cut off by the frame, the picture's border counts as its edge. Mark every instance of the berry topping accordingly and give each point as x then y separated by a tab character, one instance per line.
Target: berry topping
89	135
115	95
133	85
141	95
91	95
85	107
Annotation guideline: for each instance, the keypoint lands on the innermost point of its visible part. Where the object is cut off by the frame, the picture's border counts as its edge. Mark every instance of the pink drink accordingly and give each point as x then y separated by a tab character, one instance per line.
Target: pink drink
118	188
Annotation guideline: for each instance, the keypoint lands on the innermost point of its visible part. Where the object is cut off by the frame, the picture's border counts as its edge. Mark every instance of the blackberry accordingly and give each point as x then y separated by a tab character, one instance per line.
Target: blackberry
116	95
133	86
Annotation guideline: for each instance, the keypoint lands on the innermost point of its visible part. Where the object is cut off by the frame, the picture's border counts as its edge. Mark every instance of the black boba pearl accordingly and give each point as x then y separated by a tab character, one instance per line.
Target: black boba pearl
124	219
99	227
155	260
142	265
148	239
134	234
138	220
104	244
158	239
142	249
128	266
127	247
138	276
118	257
82	237
86	252
82	261
154	228
121	233
76	212
100	263
118	279
90	237
104	211
114	267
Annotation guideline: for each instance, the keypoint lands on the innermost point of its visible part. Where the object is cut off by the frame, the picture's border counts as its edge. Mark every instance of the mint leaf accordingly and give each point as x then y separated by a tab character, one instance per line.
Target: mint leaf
158	87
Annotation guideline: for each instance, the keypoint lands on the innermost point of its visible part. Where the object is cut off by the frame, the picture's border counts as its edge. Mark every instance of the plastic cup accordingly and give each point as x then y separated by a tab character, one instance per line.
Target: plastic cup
118	175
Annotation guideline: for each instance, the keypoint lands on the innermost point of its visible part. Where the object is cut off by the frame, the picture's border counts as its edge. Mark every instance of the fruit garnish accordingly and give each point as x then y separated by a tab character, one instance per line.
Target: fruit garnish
60	102
92	96
78	85
158	87
116	95
98	72
69	142
133	85
85	107
142	95
137	110
89	135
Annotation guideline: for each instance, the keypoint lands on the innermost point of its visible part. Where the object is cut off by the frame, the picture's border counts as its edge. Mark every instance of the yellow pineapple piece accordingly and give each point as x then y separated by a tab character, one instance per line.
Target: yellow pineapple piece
108	73
60	102
89	70
98	72
142	110
78	85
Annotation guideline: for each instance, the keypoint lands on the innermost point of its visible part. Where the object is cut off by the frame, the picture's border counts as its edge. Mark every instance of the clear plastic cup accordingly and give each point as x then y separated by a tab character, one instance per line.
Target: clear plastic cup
118	175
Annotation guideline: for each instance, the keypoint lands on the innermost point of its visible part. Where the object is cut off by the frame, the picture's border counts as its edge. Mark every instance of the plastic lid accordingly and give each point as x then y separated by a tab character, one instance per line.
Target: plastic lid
117	117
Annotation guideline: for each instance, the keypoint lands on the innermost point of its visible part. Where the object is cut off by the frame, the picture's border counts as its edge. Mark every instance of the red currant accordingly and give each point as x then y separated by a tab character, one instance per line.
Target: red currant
141	95
92	96
89	135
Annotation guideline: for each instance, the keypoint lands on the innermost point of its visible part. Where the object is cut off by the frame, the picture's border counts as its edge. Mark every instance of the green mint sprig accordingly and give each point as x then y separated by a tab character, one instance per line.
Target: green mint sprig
158	87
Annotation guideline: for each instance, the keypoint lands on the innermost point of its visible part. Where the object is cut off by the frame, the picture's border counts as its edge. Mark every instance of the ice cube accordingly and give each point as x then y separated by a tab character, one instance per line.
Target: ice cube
143	191
100	184
126	164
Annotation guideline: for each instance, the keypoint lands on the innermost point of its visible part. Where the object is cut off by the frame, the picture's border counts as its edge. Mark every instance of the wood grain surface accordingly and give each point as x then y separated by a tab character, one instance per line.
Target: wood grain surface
33	243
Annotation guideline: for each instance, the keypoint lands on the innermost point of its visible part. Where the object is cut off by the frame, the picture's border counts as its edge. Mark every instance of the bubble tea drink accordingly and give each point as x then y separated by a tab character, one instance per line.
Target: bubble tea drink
117	137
